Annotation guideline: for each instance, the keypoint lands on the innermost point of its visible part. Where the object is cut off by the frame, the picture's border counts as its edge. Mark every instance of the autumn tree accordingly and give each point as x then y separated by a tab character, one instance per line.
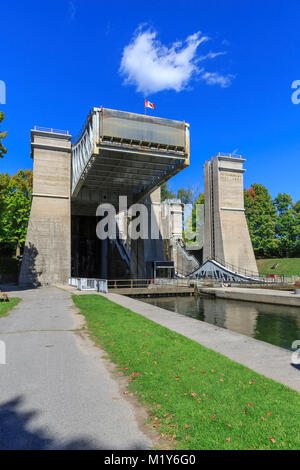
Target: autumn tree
2	136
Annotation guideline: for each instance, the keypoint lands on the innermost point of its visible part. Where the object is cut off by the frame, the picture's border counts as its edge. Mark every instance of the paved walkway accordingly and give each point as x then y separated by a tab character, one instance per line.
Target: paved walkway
264	358
56	391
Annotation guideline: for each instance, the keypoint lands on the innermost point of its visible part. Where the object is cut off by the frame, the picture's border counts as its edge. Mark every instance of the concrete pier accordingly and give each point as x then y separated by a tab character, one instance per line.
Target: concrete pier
226	234
266	296
47	252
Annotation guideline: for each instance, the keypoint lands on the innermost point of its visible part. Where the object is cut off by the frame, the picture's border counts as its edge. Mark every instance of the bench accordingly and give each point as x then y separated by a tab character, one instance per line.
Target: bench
3	297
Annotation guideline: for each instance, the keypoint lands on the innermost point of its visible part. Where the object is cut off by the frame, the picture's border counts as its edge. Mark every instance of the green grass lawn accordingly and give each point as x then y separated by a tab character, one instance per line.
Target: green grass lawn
286	266
6	306
196	397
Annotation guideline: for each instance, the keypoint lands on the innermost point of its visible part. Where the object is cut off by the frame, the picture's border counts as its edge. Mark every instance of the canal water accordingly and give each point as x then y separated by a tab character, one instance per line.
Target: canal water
274	324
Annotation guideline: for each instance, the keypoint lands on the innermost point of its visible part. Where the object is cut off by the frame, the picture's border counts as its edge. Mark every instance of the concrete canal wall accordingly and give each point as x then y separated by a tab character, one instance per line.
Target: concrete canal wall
267	296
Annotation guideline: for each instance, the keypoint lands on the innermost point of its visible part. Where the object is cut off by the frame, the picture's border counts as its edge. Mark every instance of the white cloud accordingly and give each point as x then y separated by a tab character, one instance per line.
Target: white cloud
72	10
214	78
153	67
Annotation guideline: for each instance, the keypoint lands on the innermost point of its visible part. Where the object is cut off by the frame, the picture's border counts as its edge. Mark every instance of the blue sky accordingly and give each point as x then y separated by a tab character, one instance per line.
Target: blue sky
61	58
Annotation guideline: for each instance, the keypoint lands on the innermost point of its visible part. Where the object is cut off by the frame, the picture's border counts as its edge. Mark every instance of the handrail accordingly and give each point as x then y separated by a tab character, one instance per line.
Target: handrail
229	155
145	283
51	130
232	267
83	127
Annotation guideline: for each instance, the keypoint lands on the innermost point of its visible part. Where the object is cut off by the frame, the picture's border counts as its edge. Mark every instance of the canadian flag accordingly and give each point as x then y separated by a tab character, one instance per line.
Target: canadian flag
149	105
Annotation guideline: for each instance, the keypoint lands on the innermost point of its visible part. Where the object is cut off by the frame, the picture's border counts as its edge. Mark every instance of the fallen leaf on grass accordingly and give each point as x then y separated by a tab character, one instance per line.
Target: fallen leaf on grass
135	374
213	416
273	440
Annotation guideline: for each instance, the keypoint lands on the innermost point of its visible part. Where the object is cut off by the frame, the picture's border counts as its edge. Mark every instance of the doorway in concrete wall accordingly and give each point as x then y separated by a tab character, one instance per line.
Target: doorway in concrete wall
95	258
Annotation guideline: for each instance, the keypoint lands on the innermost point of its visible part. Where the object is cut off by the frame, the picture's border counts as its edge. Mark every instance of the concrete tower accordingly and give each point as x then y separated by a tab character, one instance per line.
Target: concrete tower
47	251
226	234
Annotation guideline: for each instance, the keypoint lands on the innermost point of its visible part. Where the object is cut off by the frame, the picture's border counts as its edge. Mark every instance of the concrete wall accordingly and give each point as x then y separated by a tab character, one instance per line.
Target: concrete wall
143	252
184	261
226	234
47	256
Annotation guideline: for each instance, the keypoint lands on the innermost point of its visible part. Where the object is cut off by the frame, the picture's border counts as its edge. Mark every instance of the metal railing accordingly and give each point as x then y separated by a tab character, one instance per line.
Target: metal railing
51	130
189	257
229	155
146	283
235	279
79	134
93	284
231	267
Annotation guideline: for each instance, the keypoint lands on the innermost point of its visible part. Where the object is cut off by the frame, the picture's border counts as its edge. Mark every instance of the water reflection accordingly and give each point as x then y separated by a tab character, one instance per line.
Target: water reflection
275	324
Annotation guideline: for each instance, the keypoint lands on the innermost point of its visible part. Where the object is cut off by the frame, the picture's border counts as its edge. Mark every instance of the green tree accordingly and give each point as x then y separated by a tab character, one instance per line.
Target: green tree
185	195
15	199
262	218
287	226
166	192
199	200
191	222
296	206
2	136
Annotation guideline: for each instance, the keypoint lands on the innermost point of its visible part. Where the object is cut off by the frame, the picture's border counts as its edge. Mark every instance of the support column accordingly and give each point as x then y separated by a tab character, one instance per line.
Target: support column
104	259
47	252
226	234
